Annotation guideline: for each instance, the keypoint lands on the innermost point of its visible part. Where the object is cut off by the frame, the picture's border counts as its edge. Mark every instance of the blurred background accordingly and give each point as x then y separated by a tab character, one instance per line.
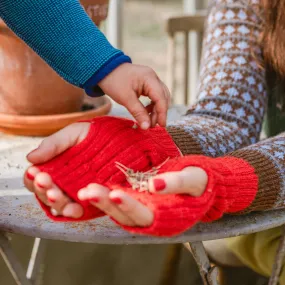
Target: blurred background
139	28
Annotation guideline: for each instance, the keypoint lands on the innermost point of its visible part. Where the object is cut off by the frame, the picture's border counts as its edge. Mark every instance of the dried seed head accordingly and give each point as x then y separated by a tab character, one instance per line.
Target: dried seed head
139	180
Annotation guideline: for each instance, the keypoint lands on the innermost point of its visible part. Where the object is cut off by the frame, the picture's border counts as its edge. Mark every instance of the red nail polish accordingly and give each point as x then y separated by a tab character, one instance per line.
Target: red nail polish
51	200
159	184
117	200
40	185
94	200
30	176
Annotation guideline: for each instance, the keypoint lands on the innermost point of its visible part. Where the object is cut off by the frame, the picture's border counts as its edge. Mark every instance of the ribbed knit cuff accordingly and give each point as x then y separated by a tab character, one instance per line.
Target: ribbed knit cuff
185	142
232	186
236	184
269	182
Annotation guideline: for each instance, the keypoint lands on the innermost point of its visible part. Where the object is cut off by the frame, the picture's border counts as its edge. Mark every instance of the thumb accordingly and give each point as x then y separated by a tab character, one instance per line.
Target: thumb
139	112
190	180
59	142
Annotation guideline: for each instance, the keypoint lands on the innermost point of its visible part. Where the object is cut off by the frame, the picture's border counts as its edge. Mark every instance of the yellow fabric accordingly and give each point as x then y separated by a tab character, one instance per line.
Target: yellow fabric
258	251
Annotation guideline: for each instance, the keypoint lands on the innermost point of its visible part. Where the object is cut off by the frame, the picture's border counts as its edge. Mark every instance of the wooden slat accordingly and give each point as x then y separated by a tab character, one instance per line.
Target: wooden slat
186	67
171	64
186	23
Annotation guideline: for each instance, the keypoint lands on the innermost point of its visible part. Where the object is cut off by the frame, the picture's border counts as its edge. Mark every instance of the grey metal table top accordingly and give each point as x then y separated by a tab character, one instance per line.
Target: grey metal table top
20	213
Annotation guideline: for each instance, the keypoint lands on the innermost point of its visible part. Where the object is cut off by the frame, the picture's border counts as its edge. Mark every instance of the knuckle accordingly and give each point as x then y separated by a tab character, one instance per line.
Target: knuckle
150	72
139	113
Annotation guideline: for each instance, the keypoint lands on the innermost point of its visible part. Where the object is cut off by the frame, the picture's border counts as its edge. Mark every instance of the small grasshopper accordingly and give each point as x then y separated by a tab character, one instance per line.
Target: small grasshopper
139	180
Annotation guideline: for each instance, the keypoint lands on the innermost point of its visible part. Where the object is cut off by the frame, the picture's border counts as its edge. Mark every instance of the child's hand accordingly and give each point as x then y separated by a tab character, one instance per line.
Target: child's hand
128	82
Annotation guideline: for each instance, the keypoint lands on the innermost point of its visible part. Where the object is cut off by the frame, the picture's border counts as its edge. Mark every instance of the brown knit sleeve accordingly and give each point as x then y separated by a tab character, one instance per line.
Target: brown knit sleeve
232	88
268	159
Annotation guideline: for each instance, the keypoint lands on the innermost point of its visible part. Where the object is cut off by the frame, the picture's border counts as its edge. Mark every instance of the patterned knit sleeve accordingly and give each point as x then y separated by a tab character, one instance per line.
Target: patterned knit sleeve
232	88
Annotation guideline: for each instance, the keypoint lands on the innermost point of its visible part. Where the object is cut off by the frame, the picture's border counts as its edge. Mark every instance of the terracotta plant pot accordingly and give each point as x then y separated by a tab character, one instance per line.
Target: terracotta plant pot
49	124
28	85
96	9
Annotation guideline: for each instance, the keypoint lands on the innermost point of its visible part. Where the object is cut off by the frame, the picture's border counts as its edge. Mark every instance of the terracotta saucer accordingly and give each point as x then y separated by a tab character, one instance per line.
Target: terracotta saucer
49	124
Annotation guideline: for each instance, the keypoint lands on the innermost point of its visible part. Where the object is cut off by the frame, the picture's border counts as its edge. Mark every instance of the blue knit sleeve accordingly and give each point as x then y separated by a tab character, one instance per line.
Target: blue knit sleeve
61	32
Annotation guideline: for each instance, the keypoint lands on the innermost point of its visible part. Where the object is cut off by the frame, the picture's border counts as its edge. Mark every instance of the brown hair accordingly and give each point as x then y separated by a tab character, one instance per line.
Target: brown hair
273	37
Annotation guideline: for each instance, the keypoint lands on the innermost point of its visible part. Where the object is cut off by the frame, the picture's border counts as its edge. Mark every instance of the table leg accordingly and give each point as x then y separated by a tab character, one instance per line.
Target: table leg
208	273
170	269
15	267
12	262
35	267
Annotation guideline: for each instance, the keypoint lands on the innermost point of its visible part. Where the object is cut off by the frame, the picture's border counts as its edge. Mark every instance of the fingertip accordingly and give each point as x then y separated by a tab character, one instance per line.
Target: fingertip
31	173
159	184
139	112
31	156
165	183
162	120
116	200
40	154
81	195
145	125
73	210
116	193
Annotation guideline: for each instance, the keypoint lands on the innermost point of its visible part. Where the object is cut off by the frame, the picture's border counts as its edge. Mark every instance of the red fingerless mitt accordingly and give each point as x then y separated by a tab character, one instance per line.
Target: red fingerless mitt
109	140
232	186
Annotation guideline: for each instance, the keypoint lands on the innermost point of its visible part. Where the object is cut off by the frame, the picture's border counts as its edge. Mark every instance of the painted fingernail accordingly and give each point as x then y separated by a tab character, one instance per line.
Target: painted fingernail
40	185
159	184
30	176
51	200
117	200
94	200
145	125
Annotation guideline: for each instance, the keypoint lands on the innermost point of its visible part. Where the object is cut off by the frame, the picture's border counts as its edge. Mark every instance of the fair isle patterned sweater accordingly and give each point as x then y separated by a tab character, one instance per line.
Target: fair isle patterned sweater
228	116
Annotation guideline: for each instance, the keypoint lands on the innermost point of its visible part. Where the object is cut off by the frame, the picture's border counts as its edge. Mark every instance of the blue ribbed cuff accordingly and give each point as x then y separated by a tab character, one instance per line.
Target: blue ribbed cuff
91	86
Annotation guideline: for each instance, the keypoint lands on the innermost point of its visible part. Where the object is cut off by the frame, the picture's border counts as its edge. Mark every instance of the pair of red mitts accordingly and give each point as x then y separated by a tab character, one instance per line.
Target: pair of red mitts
232	182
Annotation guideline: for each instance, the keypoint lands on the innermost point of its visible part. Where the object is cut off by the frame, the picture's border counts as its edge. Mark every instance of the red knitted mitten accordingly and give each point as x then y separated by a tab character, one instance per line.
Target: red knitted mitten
110	140
232	186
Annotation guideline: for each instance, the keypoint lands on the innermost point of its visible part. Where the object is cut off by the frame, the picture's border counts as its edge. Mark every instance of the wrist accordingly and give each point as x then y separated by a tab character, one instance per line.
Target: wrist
235	185
242	183
96	85
102	82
